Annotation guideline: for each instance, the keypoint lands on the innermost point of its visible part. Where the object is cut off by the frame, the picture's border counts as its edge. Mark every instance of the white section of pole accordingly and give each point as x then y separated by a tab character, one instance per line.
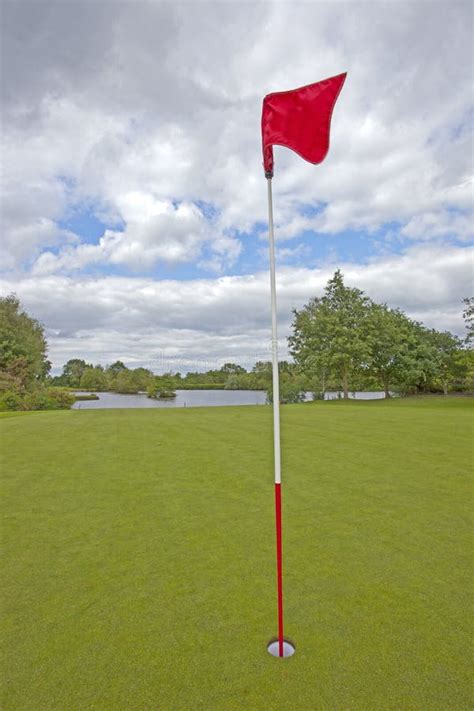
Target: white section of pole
276	384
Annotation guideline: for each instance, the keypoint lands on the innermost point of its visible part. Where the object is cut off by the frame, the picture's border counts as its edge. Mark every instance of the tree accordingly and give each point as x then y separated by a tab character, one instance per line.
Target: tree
262	367
232	369
237	382
116	368
465	362
418	362
448	368
393	338
161	387
93	379
292	389
142	377
73	371
331	334
23	346
123	382
285	367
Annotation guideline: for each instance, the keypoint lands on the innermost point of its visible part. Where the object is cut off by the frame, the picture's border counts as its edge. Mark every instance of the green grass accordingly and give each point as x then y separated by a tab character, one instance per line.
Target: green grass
138	569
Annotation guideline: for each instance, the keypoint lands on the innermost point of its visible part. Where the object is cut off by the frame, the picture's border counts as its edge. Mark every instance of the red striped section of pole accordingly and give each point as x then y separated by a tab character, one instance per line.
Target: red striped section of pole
279	567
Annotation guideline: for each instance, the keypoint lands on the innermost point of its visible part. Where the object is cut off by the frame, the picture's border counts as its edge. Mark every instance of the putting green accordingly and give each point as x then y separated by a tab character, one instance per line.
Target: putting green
138	570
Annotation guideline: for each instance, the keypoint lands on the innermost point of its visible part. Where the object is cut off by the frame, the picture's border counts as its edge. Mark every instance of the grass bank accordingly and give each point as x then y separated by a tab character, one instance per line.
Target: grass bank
139	560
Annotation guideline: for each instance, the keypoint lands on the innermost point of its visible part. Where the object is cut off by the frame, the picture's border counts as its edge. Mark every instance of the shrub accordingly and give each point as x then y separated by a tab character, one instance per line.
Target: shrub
157	391
36	400
290	392
61	399
39	399
166	394
10	400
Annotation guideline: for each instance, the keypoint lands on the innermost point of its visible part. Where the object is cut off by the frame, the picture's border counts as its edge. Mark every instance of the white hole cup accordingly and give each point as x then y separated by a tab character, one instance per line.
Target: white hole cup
273	648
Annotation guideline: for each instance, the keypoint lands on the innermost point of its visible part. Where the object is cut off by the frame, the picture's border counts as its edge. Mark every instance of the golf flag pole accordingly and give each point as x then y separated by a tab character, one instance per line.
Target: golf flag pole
276	418
299	119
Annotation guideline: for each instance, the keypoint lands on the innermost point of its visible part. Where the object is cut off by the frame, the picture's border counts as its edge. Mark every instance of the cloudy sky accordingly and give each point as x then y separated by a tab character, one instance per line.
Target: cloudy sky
134	202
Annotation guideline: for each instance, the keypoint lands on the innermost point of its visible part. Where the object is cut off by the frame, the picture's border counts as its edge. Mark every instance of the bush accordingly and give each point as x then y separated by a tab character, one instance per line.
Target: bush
124	383
159	391
10	400
289	393
36	400
166	394
161	394
61	399
40	399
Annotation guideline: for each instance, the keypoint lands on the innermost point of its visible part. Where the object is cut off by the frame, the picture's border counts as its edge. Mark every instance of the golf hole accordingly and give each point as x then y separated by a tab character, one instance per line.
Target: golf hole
273	648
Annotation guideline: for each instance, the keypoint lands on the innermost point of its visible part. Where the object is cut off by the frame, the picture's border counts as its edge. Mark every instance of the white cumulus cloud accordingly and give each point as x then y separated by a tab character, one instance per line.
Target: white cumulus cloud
155	323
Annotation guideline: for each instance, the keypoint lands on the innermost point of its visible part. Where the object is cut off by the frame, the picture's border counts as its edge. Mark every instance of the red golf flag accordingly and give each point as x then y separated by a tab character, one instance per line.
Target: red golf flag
300	119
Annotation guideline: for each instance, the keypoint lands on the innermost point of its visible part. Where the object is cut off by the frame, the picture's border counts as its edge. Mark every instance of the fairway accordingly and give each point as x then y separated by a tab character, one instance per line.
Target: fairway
139	571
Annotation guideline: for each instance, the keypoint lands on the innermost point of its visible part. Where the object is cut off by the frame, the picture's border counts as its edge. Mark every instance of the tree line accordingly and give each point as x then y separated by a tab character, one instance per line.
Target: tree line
117	377
344	337
341	341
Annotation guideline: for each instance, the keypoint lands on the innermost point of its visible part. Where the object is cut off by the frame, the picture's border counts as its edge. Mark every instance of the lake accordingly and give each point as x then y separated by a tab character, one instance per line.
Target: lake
197	398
